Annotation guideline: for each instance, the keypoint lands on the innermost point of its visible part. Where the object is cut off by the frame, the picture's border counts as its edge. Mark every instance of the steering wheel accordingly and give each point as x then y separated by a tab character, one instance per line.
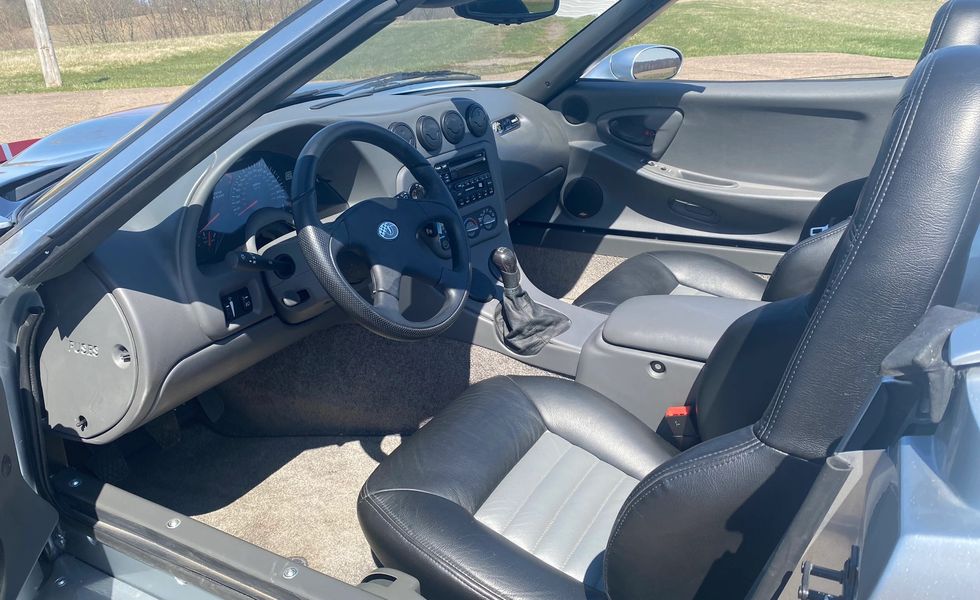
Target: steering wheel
386	232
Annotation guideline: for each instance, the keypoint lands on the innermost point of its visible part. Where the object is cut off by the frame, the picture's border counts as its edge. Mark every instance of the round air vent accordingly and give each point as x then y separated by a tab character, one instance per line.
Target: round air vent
429	132
583	198
403	131
453	126
477	120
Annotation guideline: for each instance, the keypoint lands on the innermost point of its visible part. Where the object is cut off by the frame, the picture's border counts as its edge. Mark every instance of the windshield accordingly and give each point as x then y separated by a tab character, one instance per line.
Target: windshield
436	39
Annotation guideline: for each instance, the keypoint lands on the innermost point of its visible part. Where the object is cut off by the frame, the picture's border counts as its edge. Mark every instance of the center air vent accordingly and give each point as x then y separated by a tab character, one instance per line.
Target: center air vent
429	132
477	120
453	126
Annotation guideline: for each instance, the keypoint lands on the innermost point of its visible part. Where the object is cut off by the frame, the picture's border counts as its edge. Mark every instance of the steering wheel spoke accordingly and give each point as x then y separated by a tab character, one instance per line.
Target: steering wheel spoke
385	289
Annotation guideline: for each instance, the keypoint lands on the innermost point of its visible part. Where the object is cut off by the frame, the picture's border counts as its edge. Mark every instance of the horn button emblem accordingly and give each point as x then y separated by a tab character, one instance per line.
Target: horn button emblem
387	230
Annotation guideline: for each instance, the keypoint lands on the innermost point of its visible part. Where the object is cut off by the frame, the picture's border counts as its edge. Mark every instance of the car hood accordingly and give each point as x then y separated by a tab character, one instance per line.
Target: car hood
71	145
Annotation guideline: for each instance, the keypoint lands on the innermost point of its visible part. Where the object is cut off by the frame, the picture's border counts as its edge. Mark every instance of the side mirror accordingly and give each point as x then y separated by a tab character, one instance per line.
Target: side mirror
643	62
507	12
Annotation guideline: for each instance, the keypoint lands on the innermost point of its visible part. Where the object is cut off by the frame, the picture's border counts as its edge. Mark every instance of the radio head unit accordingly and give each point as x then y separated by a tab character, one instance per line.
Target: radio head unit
467	177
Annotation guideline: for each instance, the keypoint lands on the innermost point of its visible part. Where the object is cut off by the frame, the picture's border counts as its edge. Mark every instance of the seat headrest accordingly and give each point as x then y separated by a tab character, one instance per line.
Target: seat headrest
957	23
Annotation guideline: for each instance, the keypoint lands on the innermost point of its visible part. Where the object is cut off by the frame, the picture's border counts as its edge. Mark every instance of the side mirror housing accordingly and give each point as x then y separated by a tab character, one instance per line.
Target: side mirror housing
643	62
507	12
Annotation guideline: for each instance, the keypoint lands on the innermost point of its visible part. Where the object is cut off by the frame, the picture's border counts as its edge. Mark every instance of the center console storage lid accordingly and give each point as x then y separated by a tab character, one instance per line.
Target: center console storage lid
681	326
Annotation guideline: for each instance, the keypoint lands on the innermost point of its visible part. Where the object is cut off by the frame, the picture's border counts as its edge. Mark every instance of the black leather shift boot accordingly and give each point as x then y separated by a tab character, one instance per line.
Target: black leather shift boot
525	326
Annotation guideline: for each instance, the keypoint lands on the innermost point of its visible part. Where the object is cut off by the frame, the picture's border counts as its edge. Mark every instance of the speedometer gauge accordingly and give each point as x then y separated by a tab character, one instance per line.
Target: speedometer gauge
256	181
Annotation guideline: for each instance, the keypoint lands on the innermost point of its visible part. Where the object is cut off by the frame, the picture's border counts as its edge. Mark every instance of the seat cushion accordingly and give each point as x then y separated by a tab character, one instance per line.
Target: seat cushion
674	272
510	492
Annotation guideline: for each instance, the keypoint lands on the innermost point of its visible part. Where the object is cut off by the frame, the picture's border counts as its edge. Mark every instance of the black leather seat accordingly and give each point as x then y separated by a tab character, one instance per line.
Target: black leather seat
541	488
681	272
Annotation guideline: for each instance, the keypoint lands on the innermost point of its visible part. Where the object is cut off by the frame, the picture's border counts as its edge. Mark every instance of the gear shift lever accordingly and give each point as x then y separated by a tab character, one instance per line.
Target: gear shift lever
522	324
506	262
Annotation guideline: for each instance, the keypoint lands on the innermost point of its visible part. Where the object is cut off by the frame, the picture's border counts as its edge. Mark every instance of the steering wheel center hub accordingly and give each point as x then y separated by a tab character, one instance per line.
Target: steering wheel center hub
387	230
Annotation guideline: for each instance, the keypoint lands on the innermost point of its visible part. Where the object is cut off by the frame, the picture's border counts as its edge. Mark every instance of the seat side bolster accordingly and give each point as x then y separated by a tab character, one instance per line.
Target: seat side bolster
800	269
726	503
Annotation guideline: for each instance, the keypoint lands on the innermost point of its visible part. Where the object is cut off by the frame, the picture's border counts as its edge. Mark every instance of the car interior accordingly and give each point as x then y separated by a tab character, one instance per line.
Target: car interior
584	348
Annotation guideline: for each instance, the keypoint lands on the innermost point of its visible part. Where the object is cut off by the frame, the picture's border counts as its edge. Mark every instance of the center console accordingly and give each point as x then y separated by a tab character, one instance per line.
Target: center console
649	352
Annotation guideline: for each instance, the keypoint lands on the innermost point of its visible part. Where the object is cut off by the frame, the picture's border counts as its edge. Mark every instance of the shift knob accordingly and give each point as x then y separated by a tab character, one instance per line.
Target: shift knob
506	262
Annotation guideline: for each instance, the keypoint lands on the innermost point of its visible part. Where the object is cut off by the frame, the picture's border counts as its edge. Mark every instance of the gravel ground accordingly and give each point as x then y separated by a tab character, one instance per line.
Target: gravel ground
34	115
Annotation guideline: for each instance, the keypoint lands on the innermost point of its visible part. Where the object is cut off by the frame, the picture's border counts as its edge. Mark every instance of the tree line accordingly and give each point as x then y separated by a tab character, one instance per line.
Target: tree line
77	22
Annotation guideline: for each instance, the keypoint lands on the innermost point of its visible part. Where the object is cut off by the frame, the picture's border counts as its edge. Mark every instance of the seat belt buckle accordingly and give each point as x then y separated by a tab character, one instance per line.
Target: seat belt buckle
821	229
680	421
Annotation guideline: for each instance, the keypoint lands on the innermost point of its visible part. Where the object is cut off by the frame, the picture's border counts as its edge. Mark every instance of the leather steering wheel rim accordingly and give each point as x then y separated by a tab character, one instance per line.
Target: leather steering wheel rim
384	231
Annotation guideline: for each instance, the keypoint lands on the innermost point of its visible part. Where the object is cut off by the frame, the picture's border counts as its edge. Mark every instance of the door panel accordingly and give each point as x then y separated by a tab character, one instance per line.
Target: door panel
718	163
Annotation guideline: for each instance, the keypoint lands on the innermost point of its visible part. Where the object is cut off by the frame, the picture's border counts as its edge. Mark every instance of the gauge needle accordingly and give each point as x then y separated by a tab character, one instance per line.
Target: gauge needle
211	222
246	209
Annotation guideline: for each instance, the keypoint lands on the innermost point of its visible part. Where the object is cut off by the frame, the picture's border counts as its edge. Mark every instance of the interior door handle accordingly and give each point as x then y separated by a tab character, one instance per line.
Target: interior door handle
632	130
693	210
647	130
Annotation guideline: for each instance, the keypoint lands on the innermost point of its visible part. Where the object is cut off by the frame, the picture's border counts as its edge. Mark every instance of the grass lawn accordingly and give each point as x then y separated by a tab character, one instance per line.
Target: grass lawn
884	28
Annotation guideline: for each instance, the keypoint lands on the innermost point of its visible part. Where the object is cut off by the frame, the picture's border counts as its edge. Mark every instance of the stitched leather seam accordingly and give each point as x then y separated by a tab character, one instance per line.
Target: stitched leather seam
448	566
755	444
668	476
813	239
678	466
942	27
902	134
595	518
503	531
571	494
428	493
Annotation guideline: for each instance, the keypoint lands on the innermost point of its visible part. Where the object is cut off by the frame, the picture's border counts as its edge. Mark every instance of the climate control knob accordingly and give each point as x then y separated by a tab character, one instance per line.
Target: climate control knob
472	225
488	218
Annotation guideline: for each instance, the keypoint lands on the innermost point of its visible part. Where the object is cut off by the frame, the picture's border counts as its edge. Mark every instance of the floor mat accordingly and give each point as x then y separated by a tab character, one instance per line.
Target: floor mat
347	381
295	496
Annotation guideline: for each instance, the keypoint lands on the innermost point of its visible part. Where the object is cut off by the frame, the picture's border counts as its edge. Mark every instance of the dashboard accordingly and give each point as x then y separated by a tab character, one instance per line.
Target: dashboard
164	315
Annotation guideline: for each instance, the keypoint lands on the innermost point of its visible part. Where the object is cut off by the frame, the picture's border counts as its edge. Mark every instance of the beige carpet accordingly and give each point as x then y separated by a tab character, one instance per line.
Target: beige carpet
348	381
295	496
564	273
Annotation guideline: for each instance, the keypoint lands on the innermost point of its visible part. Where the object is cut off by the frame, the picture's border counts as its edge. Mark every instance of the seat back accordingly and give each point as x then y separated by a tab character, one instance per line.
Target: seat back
956	23
703	524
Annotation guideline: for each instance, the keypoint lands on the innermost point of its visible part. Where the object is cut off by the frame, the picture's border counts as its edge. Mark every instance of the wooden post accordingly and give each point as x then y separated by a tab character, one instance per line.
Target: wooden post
45	47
